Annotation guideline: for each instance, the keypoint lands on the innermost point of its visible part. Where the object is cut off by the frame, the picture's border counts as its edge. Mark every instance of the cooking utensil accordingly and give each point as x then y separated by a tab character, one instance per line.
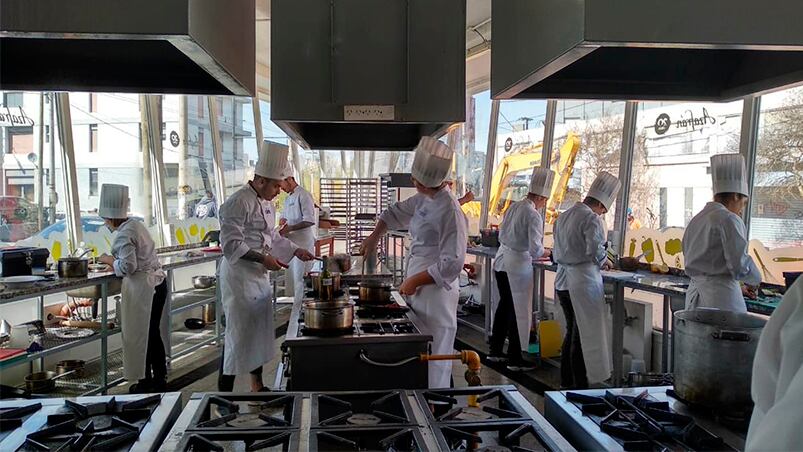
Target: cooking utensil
42	382
713	356
328	315
203	282
97	268
663	267
84	324
194	324
315	279
71	334
767	274
5	327
374	292
73	267
74	365
788	259
489	237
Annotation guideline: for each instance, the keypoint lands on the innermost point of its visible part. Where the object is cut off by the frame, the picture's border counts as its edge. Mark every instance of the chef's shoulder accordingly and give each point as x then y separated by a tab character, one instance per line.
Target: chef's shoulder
240	200
726	219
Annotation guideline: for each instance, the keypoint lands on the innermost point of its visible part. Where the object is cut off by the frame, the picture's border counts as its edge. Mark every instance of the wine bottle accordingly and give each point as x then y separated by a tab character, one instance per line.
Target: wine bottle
327	285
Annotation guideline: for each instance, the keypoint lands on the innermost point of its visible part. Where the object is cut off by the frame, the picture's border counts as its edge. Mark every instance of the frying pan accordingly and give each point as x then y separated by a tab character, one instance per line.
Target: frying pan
43	382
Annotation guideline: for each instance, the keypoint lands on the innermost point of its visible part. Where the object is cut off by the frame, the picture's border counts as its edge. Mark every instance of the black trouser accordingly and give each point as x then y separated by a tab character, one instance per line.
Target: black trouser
225	383
572	366
155	366
505	325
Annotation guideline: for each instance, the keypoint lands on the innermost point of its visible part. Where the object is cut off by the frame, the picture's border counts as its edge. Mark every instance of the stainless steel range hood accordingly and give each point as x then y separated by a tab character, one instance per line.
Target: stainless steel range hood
367	74
147	46
715	50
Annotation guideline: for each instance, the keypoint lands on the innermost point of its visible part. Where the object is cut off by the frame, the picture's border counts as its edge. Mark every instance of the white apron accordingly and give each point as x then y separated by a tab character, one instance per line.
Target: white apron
305	239
585	287
519	269
437	309
246	293
137	299
719	292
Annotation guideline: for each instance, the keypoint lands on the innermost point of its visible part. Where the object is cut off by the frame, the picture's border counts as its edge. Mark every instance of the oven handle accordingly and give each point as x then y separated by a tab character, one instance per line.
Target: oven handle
364	358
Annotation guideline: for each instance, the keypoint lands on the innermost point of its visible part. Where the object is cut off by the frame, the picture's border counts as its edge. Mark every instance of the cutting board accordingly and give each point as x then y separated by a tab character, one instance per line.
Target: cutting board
8	353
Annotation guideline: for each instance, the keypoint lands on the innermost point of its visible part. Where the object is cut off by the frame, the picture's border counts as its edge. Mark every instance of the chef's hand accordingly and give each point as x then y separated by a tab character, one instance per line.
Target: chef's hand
606	266
304	255
749	292
408	287
547	253
468	197
271	263
471	270
369	245
282	221
106	259
284	230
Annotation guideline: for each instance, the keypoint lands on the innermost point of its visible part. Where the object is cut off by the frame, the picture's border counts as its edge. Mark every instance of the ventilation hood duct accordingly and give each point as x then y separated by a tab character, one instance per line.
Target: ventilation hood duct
144	46
691	50
367	74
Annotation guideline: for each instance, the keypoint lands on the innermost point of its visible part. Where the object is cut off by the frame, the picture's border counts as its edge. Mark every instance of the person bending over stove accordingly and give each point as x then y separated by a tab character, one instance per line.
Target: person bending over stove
521	241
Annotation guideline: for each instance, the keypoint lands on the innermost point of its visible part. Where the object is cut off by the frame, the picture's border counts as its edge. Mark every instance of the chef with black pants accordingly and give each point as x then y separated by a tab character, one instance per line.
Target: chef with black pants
579	251
521	242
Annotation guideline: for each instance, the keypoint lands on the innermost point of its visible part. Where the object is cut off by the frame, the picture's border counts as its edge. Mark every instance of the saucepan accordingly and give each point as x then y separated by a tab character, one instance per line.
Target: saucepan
73	267
43	382
71	365
328	315
315	278
374	292
203	282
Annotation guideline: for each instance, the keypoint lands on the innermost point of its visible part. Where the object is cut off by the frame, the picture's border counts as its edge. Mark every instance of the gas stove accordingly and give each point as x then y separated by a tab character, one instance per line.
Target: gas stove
493	404
396	420
231	412
129	422
636	419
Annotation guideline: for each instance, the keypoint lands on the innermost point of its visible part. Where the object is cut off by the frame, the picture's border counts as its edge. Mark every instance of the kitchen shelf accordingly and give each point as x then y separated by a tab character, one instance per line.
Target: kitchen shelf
192	298
53	344
91	383
191	340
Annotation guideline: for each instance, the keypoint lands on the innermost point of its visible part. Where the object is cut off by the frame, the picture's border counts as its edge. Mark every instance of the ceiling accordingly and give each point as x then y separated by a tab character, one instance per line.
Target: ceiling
478	35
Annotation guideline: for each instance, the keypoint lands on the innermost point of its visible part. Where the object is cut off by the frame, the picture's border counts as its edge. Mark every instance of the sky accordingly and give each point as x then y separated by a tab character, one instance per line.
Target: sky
509	112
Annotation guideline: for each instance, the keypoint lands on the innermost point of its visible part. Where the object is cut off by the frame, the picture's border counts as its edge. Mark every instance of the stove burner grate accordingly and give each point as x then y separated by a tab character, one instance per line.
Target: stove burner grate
494	437
13	418
395	439
360	409
453	405
235	411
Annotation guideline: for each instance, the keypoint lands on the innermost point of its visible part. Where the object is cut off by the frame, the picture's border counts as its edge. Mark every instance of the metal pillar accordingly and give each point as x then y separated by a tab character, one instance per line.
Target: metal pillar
748	144
39	166
549	133
52	195
217	148
625	175
64	118
489	162
257	122
154	129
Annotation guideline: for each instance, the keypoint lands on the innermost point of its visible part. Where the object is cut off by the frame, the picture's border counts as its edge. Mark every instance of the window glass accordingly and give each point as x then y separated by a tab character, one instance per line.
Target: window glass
776	225
239	141
470	157
190	185
24	221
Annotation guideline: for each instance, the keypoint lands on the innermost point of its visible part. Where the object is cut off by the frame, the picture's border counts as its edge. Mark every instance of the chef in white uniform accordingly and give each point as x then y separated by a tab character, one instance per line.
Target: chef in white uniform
252	247
437	252
778	379
715	243
521	237
579	251
298	224
144	292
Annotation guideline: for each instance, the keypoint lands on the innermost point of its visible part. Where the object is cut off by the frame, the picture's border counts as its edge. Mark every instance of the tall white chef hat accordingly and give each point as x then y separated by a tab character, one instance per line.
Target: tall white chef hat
605	188
273	163
432	162
729	174
113	201
541	182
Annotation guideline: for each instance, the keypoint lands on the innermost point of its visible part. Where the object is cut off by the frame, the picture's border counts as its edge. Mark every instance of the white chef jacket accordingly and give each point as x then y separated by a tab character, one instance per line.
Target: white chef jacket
579	237
444	228
299	207
247	223
777	384
522	229
715	244
134	250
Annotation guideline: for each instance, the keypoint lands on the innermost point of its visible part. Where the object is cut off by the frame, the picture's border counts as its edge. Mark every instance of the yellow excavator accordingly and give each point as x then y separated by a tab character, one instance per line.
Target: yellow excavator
504	192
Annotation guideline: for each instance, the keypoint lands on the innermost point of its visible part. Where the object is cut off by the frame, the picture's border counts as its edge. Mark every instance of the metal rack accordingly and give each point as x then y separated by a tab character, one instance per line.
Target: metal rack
334	195
362	207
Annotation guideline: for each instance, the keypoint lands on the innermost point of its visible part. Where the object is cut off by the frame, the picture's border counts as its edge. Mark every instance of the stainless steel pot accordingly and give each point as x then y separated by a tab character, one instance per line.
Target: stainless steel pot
203	282
713	356
315	279
374	292
73	267
43	382
328	315
67	365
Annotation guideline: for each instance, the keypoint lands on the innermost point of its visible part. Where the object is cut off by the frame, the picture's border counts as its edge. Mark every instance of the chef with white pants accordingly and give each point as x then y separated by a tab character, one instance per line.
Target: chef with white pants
521	237
437	251
144	292
298	224
778	379
715	243
579	251
252	247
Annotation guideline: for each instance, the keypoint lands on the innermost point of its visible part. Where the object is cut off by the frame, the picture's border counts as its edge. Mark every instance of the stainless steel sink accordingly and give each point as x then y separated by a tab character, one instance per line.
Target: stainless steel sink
113	288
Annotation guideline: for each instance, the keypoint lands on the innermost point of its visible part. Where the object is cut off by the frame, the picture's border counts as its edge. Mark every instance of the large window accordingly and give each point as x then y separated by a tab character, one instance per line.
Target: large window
776	226
470	156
